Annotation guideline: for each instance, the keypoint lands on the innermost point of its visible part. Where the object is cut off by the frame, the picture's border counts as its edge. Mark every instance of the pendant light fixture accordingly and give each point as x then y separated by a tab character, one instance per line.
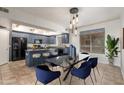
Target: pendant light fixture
74	20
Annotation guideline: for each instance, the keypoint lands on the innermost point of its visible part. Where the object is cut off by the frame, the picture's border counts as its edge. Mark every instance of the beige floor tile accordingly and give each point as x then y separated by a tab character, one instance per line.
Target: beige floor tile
18	73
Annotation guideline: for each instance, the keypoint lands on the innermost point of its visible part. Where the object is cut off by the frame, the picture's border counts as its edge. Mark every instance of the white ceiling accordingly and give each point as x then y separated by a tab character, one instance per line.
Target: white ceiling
61	15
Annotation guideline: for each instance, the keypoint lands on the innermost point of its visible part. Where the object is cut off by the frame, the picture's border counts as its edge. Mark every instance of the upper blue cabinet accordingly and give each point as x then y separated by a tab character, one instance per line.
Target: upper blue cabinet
65	38
32	37
51	40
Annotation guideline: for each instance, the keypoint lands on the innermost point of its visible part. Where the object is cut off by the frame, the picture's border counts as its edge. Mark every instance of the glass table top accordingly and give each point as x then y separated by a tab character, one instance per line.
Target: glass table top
65	62
62	61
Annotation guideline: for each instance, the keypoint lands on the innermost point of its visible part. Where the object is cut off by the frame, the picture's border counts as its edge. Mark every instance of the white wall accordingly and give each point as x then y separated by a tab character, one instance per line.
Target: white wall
111	27
122	64
5	22
4	37
122	50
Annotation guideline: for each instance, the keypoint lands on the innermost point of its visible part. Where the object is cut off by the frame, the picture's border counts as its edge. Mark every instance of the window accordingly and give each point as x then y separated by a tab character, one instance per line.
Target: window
92	41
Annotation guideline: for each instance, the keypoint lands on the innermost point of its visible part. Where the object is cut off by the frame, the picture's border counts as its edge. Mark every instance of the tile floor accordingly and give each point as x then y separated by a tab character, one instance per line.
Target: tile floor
17	73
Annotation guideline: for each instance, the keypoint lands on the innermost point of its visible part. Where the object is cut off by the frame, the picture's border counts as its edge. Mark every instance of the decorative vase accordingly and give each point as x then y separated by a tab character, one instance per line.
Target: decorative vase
111	61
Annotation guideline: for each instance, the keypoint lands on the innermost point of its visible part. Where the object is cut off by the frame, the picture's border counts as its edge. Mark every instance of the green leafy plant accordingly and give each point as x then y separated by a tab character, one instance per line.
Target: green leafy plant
112	48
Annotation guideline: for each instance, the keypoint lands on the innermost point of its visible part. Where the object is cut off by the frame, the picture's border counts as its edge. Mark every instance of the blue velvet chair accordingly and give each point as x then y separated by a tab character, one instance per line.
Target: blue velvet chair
82	72
93	62
45	75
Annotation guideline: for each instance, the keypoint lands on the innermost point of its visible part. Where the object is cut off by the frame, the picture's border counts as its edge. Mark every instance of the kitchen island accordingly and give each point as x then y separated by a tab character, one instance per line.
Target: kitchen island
35	57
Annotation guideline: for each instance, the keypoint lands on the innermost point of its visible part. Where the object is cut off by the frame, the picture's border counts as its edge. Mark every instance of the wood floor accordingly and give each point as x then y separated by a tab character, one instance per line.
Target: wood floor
17	73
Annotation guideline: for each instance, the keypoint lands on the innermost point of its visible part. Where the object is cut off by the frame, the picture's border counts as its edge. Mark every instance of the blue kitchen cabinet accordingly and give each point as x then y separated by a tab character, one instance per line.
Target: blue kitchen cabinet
52	40
31	37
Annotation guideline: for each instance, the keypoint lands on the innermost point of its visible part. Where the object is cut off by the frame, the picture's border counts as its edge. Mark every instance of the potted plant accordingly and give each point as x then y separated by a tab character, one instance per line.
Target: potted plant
112	48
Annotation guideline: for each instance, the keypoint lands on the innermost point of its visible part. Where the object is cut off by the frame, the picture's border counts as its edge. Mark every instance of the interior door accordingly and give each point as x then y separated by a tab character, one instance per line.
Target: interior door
4	46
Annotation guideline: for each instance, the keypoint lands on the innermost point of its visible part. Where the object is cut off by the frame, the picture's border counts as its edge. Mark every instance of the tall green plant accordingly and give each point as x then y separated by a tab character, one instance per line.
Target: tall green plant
112	48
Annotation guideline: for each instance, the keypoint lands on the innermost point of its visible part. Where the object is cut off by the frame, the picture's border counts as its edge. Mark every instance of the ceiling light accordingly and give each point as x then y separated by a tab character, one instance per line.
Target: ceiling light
74	21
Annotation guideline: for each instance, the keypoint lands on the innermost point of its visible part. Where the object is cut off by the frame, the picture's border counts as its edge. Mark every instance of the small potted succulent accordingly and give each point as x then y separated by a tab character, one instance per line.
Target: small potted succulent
112	48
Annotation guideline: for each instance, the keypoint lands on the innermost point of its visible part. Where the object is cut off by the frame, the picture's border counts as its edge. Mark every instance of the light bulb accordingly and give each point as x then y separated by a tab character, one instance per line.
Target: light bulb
75	31
70	25
77	18
73	20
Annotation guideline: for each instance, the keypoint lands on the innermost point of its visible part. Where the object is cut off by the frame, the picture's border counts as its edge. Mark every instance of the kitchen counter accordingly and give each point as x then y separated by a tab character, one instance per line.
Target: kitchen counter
38	56
36	49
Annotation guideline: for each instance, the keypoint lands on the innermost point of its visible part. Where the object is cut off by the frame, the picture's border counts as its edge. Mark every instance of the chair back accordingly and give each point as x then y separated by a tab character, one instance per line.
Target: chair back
45	75
93	62
82	72
87	71
42	73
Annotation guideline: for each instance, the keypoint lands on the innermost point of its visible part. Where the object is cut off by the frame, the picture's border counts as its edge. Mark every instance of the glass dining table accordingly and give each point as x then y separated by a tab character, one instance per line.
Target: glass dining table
64	62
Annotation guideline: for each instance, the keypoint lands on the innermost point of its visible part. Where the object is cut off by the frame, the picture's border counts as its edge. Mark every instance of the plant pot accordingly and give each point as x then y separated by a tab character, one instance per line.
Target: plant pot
111	61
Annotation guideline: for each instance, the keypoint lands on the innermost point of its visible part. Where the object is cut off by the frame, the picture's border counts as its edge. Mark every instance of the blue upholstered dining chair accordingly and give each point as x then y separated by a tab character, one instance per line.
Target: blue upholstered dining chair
82	72
93	62
45	75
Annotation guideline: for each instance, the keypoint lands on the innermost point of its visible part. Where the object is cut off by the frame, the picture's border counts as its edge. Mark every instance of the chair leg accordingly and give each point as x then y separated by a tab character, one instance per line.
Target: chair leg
63	69
97	70
36	82
84	82
94	75
70	79
91	79
59	80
